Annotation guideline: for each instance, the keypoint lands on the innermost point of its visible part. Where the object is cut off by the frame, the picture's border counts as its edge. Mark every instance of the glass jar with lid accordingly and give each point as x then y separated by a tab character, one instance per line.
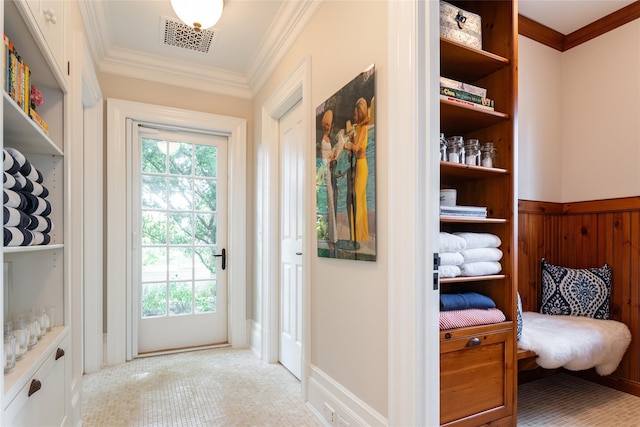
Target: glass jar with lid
443	148
472	152
488	155
455	147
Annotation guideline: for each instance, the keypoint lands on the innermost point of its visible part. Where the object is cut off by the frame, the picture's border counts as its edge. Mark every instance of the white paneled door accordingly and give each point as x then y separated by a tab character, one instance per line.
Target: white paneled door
291	214
180	238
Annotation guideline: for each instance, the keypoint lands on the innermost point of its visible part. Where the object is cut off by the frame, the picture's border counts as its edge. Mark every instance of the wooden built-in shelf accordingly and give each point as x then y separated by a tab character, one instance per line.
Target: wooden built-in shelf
525	354
461	279
471	220
452	172
465	63
459	119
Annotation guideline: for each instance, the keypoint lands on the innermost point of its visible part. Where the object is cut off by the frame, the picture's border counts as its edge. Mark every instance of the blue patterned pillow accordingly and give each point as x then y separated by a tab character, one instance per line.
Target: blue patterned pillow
576	292
519	318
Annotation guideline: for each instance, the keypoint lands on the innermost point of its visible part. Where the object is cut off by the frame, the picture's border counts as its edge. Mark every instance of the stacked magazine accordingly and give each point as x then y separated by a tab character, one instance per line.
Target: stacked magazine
464	211
465	94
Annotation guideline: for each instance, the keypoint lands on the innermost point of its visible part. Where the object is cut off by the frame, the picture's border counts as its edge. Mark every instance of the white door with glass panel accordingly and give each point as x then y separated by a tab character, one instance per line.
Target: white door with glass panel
179	233
291	221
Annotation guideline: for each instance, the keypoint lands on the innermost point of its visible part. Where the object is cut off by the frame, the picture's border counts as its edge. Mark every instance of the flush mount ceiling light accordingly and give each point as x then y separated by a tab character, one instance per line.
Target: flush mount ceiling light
200	14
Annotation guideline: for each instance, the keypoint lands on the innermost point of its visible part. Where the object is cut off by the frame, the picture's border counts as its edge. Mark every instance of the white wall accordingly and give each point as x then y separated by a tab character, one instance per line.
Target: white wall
601	117
579	119
348	298
539	121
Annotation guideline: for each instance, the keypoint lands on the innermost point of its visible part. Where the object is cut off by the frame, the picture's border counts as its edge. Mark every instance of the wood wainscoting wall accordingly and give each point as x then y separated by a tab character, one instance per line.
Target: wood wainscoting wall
582	235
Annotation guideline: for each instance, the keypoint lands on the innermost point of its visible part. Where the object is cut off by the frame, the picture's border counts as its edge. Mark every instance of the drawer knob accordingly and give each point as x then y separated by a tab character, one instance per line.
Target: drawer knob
59	353
35	386
474	342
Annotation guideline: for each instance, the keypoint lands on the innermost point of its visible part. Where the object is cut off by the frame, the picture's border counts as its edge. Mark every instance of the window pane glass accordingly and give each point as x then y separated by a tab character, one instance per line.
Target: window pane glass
154	159
154	228
205	297
204	195
205	263
154	299
154	264
180	228
180	263
206	227
180	159
154	192
180	194
206	161
180	298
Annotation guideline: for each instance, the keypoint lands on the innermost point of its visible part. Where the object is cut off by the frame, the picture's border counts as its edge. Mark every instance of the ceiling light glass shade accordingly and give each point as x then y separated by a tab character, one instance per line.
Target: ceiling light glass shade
200	14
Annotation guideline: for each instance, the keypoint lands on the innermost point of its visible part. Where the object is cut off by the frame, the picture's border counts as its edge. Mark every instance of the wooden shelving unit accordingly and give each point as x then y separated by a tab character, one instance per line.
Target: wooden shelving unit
477	377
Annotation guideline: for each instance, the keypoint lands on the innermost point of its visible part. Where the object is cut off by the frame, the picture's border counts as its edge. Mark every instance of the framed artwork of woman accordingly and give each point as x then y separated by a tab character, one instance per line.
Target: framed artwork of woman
345	171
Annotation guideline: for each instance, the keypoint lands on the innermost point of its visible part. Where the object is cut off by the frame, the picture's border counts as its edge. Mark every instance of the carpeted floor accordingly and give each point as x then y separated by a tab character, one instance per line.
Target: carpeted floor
218	387
563	400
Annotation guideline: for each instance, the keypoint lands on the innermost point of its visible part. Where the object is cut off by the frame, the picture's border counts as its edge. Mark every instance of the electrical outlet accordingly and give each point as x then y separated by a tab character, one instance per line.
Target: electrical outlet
342	422
329	413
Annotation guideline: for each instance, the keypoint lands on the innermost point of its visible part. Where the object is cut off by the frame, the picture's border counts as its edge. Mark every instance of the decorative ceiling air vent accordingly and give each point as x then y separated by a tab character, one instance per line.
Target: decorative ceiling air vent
180	35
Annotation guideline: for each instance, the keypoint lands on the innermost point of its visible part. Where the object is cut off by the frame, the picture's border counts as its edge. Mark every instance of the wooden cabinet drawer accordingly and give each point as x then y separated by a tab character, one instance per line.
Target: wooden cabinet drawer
43	400
476	378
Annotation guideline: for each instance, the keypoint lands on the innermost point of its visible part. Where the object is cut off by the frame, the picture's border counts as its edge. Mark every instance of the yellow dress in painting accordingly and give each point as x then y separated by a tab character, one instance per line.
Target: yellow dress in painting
360	185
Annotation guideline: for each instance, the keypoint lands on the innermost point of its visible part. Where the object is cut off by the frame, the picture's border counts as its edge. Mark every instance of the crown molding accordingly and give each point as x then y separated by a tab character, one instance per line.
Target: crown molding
94	16
280	37
603	25
549	37
290	22
134	64
540	33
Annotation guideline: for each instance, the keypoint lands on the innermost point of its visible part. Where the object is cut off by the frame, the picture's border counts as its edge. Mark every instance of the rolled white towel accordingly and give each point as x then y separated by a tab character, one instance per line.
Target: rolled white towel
481	254
451	243
451	258
40	238
9	164
449	271
480	240
484	268
10	183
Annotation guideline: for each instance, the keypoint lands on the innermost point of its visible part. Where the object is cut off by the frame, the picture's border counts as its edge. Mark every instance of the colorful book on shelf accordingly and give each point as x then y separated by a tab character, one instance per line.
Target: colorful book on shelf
466	96
464	211
36	118
7	60
17	76
454	84
466	103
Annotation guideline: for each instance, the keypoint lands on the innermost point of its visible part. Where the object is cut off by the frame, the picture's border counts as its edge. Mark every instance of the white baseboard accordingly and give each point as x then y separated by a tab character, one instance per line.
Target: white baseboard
255	334
348	410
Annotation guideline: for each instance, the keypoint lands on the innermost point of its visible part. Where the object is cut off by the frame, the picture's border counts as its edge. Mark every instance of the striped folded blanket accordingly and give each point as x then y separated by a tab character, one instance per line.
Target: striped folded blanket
470	317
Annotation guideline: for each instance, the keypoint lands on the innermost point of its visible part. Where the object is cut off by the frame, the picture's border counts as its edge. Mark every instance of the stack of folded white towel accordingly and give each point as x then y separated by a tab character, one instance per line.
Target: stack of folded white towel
469	254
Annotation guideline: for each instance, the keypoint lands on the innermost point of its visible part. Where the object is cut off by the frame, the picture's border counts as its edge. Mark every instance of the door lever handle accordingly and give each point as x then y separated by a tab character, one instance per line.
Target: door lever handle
224	258
298	253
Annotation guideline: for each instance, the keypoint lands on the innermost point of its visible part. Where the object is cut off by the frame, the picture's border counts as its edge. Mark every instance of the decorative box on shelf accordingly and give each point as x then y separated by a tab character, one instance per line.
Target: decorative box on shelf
459	25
